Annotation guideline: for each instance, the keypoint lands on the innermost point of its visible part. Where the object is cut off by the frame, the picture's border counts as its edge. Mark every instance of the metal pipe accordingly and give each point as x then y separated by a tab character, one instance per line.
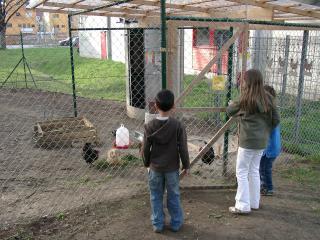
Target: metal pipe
23	60
75	111
163	45
228	98
237	20
301	85
285	70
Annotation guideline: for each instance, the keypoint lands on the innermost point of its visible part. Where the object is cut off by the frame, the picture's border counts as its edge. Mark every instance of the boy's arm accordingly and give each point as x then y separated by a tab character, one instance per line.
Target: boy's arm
146	146
183	148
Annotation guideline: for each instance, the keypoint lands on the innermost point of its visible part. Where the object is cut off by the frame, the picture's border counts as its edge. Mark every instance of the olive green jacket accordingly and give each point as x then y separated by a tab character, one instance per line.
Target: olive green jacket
255	128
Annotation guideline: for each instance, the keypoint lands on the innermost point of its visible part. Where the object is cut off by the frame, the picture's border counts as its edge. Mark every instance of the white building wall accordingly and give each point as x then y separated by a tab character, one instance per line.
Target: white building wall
90	41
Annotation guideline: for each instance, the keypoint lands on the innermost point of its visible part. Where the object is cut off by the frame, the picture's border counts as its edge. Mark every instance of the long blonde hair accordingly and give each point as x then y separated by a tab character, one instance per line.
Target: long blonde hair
253	93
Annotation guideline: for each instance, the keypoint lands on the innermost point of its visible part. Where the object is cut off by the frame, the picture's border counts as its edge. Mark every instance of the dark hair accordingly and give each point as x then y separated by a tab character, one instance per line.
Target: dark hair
253	92
270	89
165	100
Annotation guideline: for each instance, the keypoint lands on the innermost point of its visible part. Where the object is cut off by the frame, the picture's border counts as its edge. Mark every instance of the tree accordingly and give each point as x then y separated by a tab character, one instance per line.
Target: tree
8	9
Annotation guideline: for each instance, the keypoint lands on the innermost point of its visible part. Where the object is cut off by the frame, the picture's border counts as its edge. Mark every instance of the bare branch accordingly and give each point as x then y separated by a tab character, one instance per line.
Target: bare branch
22	3
8	3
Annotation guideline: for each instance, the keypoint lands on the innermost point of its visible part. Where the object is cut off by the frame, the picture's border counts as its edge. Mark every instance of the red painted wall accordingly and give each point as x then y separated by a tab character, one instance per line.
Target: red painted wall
103	45
201	55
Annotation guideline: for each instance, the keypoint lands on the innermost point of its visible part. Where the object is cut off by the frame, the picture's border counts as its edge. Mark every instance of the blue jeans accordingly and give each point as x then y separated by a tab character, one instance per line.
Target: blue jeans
266	172
158	182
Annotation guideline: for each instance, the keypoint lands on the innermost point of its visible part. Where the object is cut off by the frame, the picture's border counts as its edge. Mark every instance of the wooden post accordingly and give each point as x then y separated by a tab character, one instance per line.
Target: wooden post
201	75
215	138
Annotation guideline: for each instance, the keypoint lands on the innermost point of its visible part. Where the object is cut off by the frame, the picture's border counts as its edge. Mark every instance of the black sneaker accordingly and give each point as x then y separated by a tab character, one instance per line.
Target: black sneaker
265	192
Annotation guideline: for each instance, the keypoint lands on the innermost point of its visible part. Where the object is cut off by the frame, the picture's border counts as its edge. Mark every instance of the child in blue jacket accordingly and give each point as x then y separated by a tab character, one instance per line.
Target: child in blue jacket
269	155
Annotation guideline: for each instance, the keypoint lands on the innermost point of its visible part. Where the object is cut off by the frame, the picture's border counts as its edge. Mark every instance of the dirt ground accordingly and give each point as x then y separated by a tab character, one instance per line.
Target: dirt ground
292	213
36	182
53	194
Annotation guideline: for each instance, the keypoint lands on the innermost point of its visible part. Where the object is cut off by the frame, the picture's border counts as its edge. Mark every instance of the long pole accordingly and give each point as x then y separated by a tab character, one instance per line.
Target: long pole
228	98
285	71
23	60
75	111
163	45
301	84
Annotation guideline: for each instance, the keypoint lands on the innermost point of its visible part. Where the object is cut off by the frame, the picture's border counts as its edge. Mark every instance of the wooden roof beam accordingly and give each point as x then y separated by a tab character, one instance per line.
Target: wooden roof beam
275	6
38	4
110	9
172	5
110	14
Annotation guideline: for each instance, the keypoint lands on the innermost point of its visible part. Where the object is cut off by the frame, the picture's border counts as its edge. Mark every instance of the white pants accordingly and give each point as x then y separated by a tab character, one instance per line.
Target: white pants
247	171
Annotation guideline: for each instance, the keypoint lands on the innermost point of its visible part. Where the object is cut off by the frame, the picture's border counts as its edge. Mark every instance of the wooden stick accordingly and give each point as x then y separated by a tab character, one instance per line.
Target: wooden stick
234	186
210	143
201	109
201	75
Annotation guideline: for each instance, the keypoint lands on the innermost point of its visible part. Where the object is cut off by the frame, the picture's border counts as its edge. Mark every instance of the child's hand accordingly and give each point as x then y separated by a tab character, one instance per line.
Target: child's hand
186	172
148	169
230	102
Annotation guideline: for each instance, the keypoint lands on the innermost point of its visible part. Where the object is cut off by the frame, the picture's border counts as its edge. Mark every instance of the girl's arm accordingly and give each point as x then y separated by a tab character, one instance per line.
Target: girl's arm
275	116
233	109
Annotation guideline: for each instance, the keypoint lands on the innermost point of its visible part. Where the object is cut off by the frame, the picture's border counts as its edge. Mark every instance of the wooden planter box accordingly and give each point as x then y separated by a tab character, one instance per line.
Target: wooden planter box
64	132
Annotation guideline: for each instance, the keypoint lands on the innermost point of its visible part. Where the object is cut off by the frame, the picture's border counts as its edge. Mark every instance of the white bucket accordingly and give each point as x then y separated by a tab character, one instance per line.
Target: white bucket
122	137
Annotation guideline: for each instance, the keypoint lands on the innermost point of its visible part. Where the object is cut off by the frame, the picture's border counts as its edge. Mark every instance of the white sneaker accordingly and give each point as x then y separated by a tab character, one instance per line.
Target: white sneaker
235	210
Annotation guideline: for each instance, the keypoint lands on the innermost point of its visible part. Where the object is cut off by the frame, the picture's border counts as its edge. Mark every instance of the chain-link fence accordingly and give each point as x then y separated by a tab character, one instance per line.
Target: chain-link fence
51	108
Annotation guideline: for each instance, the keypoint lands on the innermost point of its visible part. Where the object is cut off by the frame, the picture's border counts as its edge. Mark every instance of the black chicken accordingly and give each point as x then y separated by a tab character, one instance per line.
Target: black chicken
209	156
89	154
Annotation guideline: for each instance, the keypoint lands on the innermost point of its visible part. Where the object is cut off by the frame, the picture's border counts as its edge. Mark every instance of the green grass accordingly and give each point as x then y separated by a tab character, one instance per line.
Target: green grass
303	175
305	171
60	216
309	133
95	78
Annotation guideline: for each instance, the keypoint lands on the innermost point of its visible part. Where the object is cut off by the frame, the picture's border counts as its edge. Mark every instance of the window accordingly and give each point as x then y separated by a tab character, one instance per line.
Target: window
56	26
55	15
19	25
63	26
221	37
33	25
18	14
9	25
29	14
202	37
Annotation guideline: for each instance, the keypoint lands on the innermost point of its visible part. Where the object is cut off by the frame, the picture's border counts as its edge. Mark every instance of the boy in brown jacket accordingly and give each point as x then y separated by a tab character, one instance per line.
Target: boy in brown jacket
164	144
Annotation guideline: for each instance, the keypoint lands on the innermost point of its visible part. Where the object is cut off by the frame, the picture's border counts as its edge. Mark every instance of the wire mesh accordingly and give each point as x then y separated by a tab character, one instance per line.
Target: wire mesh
117	73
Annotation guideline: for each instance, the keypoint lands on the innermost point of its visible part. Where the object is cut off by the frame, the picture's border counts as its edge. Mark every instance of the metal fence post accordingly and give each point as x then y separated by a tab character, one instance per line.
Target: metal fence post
75	111
300	86
228	98
163	45
285	70
23	57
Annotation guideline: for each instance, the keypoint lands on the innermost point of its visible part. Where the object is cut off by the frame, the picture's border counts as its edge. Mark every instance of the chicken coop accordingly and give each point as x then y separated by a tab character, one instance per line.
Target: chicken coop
121	53
202	58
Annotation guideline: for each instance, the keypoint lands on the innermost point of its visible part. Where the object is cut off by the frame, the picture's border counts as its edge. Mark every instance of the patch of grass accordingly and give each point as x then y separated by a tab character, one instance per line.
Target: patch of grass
95	78
131	158
309	133
84	180
60	216
304	174
124	161
101	164
314	159
21	235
